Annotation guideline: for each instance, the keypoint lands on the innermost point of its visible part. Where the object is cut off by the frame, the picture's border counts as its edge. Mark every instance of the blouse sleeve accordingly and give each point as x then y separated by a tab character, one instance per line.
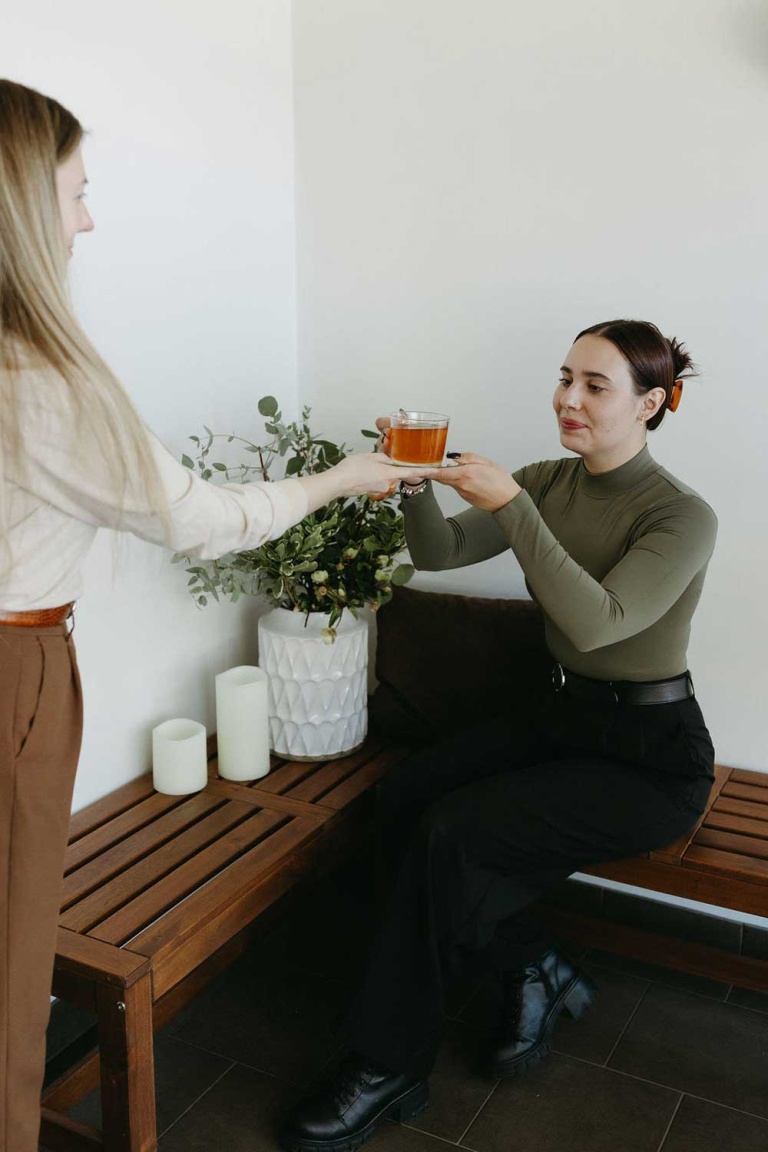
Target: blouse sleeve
205	520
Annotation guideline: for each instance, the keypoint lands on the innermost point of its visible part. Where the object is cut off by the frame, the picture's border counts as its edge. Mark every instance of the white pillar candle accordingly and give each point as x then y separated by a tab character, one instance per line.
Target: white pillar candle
179	757
242	723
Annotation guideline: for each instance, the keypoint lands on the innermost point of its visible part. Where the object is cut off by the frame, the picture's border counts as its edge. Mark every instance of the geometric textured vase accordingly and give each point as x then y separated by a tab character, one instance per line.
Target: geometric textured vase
318	692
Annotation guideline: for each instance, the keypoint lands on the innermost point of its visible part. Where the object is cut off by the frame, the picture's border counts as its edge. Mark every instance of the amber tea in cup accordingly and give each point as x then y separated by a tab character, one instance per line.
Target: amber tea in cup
417	438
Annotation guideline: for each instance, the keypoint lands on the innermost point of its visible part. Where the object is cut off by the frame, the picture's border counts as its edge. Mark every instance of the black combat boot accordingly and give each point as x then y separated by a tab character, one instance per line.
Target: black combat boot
534	1000
350	1108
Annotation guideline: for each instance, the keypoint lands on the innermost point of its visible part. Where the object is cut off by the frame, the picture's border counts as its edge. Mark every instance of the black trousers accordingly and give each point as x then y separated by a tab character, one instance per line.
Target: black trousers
474	830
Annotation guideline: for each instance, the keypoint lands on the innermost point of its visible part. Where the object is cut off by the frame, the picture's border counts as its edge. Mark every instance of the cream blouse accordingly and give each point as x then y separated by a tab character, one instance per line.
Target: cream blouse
63	494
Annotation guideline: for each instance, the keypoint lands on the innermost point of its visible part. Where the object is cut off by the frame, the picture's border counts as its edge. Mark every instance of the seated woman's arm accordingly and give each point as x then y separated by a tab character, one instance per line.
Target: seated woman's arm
436	543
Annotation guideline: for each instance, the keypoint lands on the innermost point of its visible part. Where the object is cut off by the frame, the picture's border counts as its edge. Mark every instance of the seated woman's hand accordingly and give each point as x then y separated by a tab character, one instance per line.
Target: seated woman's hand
479	481
383	444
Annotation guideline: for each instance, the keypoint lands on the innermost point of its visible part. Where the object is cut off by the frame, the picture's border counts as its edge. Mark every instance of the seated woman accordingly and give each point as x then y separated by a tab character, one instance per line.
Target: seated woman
614	759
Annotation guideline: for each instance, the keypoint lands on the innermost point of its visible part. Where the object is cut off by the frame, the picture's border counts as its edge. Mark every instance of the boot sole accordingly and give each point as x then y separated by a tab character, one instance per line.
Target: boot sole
407	1107
574	999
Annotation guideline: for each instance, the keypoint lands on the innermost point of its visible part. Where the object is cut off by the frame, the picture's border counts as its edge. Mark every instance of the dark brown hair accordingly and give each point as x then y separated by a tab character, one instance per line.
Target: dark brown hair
654	361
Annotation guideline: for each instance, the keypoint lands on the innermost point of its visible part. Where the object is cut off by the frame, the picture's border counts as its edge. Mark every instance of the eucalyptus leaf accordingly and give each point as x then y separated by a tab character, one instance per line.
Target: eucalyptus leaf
268	406
349	540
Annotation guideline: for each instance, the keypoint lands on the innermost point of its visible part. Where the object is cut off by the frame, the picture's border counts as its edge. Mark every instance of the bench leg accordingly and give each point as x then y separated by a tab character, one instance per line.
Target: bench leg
127	1067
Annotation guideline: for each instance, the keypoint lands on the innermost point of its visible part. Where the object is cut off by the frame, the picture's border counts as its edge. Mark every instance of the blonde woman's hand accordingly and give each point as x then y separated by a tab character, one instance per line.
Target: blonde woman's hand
372	472
479	481
356	475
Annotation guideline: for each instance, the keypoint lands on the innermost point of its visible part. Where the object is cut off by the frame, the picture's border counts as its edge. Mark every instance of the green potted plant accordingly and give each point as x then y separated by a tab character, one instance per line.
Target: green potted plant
317	577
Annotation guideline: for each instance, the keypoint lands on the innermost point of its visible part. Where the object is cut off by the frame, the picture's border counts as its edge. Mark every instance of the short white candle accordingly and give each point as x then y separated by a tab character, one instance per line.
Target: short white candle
179	757
242	723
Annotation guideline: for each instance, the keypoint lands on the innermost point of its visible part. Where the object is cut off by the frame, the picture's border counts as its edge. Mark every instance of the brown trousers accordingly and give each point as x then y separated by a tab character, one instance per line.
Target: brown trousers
40	731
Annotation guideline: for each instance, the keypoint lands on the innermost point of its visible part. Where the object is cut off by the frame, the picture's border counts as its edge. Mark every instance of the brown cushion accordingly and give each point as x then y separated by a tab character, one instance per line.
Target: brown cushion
445	662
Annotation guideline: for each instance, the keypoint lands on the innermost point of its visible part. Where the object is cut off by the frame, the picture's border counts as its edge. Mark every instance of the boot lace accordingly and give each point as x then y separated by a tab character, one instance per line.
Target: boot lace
351	1078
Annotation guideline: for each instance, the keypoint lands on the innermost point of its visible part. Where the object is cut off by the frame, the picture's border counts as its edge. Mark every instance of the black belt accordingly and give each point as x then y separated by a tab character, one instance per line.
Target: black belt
622	691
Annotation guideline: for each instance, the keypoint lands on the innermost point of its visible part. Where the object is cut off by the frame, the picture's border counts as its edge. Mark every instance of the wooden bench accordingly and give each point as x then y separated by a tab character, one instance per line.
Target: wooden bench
723	861
159	895
162	892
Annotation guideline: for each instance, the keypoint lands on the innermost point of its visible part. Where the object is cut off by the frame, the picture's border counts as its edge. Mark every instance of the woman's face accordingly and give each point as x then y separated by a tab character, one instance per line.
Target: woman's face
600	415
70	189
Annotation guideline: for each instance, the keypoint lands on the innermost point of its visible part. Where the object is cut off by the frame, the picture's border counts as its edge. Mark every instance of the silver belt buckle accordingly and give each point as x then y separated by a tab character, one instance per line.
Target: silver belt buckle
558	678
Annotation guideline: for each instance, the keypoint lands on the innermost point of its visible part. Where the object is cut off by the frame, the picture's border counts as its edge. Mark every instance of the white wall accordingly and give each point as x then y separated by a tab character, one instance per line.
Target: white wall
475	183
187	287
478	182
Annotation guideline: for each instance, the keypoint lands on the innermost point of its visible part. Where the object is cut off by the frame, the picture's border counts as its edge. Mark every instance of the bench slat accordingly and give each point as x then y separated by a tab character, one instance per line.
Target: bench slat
328	776
100	903
128	851
742	845
253	866
755	779
298	772
728	822
195	873
730	865
111	831
287	775
110	806
354	786
746	792
741	808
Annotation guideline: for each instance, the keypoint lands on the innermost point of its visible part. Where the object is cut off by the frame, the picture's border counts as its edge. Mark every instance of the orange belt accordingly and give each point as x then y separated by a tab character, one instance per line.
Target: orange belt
38	618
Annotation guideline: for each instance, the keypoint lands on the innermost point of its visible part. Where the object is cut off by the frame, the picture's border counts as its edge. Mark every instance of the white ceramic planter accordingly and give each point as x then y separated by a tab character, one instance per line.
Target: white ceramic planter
318	692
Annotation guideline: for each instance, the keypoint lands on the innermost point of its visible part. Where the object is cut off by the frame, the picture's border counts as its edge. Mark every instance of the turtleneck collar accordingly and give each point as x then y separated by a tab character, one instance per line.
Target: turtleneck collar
620	479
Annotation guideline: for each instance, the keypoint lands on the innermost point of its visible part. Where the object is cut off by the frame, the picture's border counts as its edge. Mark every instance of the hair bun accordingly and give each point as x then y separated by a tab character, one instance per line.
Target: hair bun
682	363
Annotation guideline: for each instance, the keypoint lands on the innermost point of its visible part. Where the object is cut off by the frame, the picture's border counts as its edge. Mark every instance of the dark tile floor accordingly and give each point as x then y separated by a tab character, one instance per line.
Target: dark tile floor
661	1061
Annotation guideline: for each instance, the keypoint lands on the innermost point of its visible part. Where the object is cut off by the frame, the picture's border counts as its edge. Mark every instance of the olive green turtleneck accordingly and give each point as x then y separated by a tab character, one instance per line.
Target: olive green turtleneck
615	561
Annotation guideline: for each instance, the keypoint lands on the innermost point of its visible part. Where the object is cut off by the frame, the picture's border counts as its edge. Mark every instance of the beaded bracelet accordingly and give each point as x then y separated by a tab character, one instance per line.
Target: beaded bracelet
408	490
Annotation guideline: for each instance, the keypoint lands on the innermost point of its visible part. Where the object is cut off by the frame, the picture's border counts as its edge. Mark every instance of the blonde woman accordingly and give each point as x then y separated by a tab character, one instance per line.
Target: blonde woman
75	456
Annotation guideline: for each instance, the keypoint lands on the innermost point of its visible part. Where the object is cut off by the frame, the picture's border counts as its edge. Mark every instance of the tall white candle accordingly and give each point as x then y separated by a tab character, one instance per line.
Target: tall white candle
242	723
179	757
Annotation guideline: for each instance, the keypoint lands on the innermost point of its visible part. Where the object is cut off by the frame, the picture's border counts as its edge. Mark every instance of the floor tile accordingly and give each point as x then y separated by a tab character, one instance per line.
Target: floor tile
277	1019
594	1036
661	975
746	998
567	1105
182	1074
245	1110
242	1113
590	1038
456	1091
392	1137
717	1051
703	1127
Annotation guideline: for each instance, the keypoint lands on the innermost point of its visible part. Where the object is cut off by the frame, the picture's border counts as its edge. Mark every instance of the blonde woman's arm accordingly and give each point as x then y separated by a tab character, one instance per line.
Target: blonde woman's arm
64	468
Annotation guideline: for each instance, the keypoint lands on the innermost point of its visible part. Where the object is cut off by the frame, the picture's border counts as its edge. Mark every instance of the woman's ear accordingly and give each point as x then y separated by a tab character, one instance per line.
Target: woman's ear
652	401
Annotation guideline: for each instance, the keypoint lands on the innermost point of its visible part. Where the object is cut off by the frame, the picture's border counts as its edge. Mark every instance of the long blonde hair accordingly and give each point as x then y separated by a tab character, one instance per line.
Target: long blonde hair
37	323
